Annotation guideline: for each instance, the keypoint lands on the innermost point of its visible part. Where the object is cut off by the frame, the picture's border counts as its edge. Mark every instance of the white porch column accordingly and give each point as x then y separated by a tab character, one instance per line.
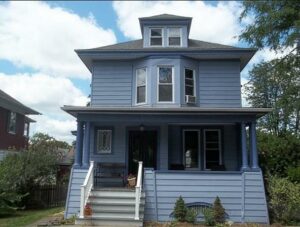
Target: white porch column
253	145
86	151
245	162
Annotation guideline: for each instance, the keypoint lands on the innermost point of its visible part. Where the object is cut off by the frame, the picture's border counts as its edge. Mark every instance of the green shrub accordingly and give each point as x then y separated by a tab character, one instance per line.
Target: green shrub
294	174
219	211
284	200
209	219
180	210
191	215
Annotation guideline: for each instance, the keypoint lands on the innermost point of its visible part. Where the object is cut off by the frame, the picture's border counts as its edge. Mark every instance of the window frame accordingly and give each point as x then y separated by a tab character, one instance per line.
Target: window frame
194	82
173	83
97	151
162	37
9	123
136	86
168	36
27	130
219	146
199	148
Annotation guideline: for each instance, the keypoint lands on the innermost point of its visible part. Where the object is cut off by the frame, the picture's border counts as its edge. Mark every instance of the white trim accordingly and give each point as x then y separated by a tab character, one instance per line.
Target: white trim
180	29
219	146
162	37
199	147
194	81
146	86
173	83
110	142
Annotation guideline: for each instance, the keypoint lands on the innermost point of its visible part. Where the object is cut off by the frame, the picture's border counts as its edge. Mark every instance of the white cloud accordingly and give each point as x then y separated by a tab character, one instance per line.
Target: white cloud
211	22
46	94
35	35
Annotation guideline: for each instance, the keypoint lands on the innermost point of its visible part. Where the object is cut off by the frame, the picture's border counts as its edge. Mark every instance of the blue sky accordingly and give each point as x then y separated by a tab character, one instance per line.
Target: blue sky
39	67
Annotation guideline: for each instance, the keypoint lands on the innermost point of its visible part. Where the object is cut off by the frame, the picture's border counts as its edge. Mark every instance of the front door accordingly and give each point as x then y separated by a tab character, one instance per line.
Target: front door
142	147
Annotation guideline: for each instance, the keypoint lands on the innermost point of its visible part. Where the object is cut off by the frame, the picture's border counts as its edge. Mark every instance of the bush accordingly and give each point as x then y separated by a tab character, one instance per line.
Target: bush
294	174
284	200
219	211
180	210
209	219
191	215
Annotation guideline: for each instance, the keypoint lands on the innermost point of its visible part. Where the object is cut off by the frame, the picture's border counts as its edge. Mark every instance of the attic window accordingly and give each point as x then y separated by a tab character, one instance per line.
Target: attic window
155	37
174	36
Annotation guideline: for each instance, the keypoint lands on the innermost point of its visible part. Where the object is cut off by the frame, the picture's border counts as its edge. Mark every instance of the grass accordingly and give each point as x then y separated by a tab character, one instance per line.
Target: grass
27	217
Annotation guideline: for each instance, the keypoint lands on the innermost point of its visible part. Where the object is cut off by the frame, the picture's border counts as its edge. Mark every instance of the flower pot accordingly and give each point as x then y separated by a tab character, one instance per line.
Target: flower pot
87	211
131	181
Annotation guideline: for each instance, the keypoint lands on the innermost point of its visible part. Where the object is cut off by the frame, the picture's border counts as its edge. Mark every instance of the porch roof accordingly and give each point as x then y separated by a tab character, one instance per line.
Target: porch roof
75	110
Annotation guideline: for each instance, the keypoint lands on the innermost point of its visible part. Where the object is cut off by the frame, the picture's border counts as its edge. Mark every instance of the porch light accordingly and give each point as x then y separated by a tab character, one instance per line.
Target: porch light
142	127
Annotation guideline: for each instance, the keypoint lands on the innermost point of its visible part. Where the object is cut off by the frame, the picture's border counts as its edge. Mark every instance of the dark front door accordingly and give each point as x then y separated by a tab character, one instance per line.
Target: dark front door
142	147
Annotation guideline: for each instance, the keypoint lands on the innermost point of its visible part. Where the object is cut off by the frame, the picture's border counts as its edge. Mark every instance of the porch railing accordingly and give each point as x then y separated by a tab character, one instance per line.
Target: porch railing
138	191
86	189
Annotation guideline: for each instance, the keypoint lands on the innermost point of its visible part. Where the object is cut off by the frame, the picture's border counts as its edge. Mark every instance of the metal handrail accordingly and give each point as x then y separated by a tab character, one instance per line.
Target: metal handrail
86	189
138	191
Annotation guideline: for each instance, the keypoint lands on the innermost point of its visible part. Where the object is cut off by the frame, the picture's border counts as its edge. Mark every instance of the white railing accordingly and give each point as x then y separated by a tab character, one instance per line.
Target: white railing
86	189
138	191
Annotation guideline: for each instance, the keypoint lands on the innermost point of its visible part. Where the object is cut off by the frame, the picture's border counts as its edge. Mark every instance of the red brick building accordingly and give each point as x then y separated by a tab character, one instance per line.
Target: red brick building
14	124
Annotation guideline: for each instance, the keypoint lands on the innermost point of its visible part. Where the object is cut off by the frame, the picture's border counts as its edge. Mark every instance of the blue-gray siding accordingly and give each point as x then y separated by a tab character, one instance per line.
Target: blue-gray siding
242	194
77	177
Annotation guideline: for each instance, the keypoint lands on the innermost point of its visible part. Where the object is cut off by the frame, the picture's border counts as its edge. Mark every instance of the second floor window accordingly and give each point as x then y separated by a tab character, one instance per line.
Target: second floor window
155	37
174	36
189	79
12	122
165	84
141	77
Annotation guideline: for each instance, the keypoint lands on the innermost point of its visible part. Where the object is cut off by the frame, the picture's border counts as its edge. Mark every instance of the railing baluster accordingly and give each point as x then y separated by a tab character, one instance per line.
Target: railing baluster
138	191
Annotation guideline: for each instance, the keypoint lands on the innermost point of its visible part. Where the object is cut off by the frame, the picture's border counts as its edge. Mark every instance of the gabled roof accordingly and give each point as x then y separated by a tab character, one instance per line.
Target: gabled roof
165	17
8	102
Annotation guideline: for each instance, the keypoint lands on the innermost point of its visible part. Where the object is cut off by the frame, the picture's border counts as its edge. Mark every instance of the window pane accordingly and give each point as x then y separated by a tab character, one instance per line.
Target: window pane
165	75
156	42
189	74
26	129
165	93
189	82
104	141
174	32
212	148
156	32
189	90
141	77
174	41
141	94
212	136
12	122
191	149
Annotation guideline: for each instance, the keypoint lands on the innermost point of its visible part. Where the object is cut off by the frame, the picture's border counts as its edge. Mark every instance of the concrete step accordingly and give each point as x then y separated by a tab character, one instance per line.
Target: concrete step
116	194
124	222
114	202
115	209
116	216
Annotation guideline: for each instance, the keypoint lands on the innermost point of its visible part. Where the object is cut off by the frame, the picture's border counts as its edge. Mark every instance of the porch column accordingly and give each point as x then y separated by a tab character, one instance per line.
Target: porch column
78	154
245	165
86	152
254	155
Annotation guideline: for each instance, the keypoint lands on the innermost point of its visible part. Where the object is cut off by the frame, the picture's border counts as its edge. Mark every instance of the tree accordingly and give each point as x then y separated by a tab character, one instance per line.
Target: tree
219	211
180	210
276	24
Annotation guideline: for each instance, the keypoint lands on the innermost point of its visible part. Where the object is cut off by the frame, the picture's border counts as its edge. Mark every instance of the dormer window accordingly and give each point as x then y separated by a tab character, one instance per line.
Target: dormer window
174	36
156	37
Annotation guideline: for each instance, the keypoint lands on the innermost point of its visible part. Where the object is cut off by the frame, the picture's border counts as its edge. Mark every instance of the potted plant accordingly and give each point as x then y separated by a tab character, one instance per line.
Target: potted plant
87	210
131	179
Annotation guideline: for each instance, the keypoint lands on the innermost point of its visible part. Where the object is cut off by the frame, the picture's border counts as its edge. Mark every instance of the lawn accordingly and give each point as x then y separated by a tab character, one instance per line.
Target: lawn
27	217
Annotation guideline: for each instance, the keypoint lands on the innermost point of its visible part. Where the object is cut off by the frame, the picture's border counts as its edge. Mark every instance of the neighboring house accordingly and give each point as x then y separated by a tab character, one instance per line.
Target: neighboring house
14	124
174	105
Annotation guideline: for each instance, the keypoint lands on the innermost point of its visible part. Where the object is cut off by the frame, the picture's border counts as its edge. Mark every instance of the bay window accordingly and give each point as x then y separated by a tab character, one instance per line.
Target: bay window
141	89
165	84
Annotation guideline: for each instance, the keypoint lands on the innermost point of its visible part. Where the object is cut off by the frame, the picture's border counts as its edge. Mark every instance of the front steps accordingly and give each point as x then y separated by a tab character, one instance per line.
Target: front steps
113	207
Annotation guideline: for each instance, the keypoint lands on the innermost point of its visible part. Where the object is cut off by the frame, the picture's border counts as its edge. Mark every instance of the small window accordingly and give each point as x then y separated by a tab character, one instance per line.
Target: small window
191	148
104	141
174	37
141	77
155	37
212	147
189	82
12	122
165	84
26	129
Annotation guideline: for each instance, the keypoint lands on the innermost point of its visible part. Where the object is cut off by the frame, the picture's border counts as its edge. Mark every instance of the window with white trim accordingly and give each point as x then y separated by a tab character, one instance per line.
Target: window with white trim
174	36
165	84
189	79
212	148
104	141
156	37
141	81
12	123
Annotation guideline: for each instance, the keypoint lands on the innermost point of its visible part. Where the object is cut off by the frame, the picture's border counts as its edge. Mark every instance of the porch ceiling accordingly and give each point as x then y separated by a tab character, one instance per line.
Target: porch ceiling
75	110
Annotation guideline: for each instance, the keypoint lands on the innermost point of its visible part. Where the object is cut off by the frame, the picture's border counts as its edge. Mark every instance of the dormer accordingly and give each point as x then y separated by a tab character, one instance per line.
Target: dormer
165	31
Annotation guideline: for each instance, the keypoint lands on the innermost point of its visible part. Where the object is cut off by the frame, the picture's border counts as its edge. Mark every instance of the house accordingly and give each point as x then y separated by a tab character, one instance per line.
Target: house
14	124
168	109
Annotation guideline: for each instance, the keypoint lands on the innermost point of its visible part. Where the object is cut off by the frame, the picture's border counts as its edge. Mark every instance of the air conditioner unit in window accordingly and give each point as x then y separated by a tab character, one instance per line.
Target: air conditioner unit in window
189	99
